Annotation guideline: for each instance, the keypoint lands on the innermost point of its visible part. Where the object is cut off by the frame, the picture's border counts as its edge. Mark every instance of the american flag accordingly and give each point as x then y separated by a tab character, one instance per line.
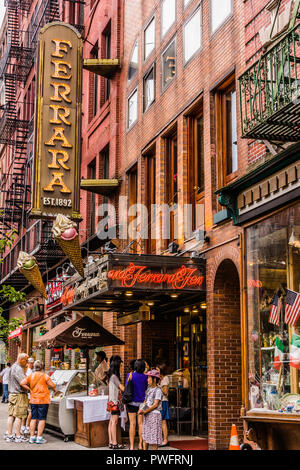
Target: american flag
275	311
292	308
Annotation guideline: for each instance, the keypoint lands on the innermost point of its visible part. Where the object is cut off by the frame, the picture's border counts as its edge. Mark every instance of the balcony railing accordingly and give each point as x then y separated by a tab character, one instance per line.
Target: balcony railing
270	93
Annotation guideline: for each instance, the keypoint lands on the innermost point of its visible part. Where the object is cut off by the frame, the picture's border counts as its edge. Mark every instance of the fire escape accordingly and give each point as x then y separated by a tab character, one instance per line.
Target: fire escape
15	133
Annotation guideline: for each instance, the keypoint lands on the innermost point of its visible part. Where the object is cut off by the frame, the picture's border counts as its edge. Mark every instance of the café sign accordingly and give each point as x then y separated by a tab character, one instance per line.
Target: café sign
58	123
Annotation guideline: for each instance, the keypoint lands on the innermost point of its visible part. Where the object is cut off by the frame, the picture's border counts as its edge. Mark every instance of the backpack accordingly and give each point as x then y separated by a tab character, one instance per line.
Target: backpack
128	392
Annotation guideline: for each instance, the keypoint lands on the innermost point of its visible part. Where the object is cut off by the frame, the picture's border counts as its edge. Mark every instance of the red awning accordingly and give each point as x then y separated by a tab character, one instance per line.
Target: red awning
15	333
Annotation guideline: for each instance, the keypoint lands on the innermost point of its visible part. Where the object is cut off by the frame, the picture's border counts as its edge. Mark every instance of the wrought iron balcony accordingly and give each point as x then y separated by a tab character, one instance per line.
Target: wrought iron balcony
270	93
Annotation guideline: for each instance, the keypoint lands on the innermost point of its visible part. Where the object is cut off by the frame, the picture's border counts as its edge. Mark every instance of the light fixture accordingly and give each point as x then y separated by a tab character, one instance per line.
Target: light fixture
203	306
195	310
129	294
150	303
108	302
293	241
174	296
186	310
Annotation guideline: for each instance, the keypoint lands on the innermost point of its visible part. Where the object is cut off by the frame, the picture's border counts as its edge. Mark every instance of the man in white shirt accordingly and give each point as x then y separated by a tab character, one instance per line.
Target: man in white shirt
26	422
4	378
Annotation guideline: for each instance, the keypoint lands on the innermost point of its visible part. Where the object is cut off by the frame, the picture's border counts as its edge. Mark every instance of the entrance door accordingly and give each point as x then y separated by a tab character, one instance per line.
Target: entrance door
192	357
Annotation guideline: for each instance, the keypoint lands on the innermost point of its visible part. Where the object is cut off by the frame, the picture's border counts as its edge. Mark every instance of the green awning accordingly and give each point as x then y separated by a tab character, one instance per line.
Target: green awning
104	67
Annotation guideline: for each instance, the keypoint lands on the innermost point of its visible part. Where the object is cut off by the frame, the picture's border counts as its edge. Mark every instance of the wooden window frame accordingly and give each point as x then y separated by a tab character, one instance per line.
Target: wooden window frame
221	132
196	193
171	193
150	196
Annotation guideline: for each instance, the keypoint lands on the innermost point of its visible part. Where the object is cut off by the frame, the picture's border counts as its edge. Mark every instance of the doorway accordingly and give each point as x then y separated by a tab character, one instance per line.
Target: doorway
191	359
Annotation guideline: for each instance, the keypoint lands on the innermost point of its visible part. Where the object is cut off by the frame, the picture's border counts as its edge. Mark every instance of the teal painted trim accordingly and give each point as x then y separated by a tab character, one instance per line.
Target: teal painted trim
221	216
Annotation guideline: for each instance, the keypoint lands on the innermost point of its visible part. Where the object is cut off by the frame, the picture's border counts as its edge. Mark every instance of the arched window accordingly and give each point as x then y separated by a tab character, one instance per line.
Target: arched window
134	62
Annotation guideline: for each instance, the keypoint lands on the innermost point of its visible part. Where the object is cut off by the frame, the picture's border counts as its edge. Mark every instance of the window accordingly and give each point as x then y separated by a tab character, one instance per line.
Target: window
192	35
149	88
196	168
150	163
172	183
169	64
134	62
226	131
92	201
168	15
94	54
220	10
132	201
186	2
132	109
272	283
107	43
149	38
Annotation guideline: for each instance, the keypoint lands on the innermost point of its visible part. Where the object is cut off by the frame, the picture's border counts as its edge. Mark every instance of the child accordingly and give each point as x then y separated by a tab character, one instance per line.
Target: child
152	430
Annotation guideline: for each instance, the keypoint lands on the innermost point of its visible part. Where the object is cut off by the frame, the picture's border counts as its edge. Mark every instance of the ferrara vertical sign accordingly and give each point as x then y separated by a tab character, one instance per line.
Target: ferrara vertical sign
58	123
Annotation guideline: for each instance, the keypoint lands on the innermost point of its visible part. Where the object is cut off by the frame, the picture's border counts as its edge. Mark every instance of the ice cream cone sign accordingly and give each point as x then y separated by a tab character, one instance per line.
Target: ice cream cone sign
28	267
234	439
66	235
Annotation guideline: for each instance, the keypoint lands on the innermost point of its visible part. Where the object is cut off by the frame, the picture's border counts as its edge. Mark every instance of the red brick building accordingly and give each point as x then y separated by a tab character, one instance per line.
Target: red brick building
163	119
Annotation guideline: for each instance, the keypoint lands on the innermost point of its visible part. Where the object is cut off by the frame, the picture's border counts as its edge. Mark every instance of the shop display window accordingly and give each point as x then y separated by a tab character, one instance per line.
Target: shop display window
272	283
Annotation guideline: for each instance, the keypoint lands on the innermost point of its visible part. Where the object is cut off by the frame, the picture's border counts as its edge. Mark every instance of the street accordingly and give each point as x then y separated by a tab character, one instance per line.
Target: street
53	442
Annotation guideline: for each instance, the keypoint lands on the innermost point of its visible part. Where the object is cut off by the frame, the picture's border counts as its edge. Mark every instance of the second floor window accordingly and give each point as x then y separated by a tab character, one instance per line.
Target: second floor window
132	109
149	88
226	131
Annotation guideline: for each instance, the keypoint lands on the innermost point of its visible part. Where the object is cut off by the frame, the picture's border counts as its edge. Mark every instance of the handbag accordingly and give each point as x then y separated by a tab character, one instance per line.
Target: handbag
128	392
111	406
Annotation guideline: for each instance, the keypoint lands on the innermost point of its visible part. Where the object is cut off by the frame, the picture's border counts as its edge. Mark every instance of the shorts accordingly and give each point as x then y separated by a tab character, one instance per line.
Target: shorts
132	408
18	405
165	414
39	411
113	413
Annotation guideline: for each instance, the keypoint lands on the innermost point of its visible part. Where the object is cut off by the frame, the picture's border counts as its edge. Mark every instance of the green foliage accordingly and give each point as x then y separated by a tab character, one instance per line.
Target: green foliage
11	294
6	327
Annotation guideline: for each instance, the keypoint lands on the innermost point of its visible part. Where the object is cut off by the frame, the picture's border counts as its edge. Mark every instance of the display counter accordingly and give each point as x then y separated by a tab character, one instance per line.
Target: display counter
69	383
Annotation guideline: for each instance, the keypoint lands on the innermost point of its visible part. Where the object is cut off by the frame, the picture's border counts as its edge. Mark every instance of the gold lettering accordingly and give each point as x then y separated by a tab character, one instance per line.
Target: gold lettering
61	67
57	180
60	48
60	95
58	117
60	136
59	161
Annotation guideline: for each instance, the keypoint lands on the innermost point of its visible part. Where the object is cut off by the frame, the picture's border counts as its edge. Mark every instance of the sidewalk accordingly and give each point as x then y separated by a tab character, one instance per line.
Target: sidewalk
53	442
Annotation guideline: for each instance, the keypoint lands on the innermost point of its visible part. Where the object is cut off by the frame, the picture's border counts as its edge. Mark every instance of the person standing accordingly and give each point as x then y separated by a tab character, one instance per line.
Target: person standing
115	387
37	384
139	383
165	413
4	378
101	371
151	411
26	423
17	400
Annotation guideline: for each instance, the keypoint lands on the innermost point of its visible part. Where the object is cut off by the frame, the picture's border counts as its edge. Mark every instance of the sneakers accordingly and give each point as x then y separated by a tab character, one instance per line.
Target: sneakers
40	440
20	439
26	430
9	438
32	440
23	430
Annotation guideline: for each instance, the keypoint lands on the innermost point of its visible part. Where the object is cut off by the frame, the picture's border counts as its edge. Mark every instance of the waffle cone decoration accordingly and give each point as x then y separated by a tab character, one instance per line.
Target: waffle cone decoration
28	267
65	234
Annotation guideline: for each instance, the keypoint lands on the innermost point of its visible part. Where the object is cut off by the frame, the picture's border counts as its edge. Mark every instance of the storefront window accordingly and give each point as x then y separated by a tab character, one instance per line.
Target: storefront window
273	278
37	353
